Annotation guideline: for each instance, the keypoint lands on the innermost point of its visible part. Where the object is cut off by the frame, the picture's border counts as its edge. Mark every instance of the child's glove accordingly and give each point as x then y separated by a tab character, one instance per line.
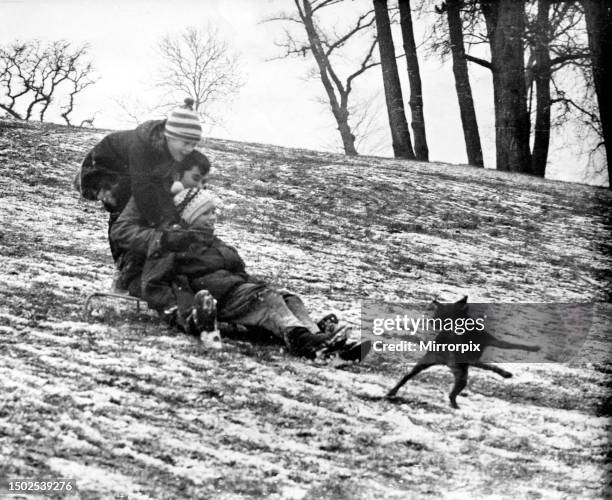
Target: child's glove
176	240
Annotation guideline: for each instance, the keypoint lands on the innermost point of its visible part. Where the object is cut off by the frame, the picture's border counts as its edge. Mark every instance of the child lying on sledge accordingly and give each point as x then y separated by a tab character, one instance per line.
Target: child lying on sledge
185	264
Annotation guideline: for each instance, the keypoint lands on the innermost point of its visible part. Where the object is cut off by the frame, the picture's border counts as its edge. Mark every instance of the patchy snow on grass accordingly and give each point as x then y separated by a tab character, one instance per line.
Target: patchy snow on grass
125	406
100	481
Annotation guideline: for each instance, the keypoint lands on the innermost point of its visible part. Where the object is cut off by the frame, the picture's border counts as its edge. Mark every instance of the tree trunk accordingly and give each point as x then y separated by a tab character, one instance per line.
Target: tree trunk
542	73
414	78
347	136
505	21
68	109
339	111
11	112
400	135
598	16
462	84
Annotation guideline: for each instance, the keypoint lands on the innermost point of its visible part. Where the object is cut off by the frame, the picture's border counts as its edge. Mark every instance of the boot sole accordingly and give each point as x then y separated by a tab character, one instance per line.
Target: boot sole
356	353
205	307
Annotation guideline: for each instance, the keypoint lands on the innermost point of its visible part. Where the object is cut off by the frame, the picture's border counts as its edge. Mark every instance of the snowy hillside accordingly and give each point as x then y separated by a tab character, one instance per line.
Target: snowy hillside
125	406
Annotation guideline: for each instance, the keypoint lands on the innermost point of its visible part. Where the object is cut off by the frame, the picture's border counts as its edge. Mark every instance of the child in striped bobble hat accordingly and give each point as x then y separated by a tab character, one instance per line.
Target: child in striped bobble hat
197	208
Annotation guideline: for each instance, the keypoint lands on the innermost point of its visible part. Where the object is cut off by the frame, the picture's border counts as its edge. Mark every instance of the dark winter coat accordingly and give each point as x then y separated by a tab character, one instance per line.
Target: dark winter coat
139	161
212	266
207	263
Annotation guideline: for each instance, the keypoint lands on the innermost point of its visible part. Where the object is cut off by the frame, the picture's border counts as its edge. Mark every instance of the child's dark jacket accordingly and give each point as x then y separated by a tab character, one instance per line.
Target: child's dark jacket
207	263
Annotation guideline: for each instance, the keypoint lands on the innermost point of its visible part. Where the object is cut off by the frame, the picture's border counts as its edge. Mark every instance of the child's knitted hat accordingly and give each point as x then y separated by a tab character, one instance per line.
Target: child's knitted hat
193	202
184	123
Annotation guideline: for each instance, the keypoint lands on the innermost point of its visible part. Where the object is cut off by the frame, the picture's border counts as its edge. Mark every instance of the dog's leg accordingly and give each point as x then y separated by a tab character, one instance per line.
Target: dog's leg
460	373
493	368
417	369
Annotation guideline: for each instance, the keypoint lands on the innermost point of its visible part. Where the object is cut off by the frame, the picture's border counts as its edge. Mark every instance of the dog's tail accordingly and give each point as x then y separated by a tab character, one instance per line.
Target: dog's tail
502	344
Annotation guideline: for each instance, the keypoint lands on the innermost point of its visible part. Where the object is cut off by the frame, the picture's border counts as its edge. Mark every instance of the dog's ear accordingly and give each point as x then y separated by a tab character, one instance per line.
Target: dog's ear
463	300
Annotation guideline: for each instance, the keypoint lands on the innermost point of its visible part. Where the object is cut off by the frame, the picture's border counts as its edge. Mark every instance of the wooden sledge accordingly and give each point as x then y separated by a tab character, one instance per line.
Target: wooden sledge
117	296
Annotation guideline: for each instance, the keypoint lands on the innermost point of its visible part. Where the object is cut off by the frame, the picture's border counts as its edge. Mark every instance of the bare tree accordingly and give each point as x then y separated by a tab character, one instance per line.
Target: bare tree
505	35
505	21
18	63
400	135
542	72
198	63
79	79
552	45
32	75
414	79
324	47
598	15
462	81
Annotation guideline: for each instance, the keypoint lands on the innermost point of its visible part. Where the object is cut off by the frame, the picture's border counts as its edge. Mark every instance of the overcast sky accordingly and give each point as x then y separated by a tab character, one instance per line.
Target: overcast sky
277	104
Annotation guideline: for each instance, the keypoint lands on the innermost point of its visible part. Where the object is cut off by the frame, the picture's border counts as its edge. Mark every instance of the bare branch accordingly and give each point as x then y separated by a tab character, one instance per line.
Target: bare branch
365	65
478	60
360	25
569	57
80	80
35	74
319	4
281	17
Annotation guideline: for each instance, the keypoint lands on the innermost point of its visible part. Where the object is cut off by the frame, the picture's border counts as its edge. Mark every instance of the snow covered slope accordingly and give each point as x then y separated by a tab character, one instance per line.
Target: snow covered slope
126	407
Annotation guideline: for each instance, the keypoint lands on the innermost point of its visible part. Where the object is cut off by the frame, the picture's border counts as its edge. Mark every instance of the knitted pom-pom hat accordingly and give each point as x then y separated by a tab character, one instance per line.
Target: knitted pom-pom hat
177	187
193	202
184	123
